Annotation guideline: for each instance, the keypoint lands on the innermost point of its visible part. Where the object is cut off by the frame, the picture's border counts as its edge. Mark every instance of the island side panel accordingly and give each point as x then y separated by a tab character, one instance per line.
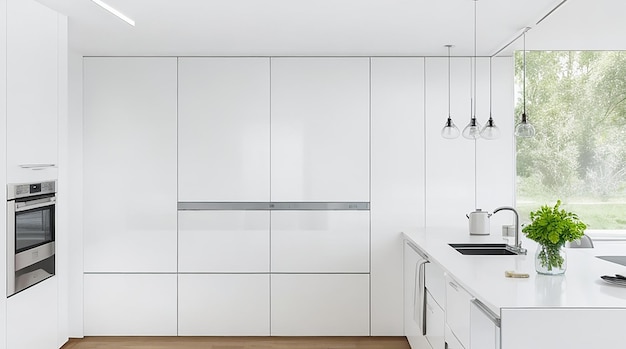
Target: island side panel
572	328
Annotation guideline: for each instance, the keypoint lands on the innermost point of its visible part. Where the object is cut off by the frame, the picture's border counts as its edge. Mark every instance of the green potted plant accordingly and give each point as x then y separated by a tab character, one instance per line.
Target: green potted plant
551	228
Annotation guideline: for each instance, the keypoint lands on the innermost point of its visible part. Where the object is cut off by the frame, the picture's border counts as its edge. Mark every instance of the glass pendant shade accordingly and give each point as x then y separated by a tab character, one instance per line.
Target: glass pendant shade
472	130
449	130
524	129
490	131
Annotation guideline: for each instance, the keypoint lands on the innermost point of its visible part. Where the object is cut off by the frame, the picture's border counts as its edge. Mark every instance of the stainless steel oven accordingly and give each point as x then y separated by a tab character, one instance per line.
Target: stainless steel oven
30	234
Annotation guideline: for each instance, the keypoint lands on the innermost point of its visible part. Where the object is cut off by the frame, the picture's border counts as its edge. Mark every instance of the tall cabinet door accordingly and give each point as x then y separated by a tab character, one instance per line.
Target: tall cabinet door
320	129
223	129
130	212
32	91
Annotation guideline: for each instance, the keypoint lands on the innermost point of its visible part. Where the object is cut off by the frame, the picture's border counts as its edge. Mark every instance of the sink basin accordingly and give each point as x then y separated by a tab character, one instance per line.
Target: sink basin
483	249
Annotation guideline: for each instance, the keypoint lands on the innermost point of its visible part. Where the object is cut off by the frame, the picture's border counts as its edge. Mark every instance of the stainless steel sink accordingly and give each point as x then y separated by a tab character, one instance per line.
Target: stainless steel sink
484	249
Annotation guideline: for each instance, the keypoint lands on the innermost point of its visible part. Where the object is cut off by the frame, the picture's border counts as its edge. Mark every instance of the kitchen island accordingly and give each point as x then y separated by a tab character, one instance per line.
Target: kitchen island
575	310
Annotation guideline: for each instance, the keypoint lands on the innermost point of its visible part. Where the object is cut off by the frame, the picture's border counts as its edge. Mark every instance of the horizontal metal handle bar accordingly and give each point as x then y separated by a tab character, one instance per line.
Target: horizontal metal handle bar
274	206
416	249
37	166
490	314
33	204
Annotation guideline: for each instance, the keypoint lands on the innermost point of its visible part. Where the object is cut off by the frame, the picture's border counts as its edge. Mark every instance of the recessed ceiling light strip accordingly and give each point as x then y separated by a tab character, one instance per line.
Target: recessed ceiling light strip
115	12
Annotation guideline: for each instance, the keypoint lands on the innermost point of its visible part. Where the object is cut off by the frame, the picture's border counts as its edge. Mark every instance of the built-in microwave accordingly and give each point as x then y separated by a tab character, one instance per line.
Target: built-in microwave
30	234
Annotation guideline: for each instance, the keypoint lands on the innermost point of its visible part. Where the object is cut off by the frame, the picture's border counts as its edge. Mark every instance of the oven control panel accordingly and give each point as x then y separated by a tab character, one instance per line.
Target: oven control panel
30	189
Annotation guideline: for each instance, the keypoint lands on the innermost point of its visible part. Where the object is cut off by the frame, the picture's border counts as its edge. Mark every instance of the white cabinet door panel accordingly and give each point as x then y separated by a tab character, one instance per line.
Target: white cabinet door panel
484	332
130	207
32	90
224	129
458	311
32	317
578	328
320	241
130	304
224	305
320	129
320	305
435	323
223	241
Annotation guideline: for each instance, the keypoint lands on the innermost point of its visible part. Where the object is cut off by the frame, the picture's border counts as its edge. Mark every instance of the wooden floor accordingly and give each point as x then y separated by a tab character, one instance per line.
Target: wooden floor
238	343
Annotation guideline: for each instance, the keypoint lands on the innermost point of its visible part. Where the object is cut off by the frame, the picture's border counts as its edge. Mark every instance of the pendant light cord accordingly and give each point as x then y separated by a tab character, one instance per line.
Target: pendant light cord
524	82
449	80
474	92
490	89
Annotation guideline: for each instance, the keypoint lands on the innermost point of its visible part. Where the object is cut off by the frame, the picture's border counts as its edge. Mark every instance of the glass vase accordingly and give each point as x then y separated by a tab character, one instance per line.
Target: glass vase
550	260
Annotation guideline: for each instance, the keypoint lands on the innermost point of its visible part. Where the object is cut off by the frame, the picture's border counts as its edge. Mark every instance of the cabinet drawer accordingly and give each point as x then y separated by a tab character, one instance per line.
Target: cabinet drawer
435	322
458	311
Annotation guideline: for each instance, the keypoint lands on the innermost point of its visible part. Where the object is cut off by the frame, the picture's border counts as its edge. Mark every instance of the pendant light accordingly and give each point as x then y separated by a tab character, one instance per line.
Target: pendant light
472	130
490	131
449	130
524	129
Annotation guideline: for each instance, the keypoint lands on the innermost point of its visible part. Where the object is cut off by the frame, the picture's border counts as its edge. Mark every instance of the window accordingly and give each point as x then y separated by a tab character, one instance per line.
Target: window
577	103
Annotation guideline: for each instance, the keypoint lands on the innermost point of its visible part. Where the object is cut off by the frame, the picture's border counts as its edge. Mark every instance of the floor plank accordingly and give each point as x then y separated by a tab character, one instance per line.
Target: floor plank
238	343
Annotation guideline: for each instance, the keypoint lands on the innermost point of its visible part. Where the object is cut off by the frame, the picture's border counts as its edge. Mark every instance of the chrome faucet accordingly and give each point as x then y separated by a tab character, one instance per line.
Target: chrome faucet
517	248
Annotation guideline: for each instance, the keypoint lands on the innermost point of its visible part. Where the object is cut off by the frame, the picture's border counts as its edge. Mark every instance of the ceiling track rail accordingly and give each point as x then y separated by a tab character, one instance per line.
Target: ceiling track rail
524	30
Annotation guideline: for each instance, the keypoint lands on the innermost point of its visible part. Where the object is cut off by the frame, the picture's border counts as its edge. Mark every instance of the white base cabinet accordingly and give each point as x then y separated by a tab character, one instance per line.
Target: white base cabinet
458	312
320	305
484	328
130	304
32	317
435	322
224	305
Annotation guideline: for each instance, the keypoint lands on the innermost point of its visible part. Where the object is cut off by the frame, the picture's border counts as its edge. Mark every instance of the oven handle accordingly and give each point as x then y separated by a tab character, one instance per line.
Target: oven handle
29	205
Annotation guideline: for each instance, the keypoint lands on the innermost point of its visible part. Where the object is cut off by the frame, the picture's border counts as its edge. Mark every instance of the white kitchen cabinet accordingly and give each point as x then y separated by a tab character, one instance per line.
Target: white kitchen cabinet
130	304
397	179
484	327
130	196
320	129
320	241
32	58
223	129
451	342
435	322
320	305
436	283
458	311
32	317
223	241
224	304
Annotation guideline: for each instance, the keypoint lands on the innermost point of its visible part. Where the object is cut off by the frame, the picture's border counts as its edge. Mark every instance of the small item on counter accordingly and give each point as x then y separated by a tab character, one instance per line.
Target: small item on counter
618	279
516	275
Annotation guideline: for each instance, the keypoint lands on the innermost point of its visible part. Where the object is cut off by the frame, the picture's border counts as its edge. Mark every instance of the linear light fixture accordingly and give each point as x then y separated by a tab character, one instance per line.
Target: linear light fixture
115	12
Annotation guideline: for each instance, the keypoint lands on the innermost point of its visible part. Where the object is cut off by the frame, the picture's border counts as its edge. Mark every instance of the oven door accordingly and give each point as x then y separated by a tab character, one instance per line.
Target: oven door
30	241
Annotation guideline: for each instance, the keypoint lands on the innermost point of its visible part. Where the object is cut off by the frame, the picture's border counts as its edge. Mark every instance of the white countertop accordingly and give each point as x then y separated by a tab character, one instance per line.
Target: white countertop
483	276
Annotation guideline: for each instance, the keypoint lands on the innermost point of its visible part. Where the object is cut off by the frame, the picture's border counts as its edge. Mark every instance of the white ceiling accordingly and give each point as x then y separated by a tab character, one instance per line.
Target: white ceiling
338	27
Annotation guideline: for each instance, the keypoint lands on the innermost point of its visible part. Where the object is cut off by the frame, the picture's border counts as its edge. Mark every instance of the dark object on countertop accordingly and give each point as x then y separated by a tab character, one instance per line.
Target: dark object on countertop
615	259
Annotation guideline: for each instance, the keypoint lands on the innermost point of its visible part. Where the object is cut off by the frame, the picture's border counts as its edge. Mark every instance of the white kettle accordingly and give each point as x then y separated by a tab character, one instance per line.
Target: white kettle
479	222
